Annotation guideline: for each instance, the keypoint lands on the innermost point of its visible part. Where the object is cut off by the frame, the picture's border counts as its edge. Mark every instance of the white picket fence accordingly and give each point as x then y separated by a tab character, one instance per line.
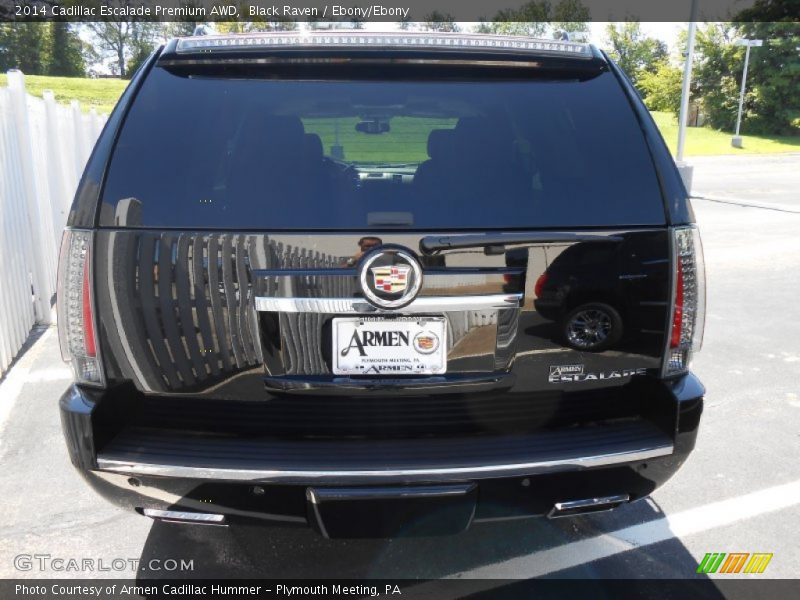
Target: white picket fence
43	149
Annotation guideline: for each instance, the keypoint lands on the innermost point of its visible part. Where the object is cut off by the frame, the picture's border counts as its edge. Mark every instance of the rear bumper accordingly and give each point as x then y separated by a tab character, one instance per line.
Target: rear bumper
248	479
136	452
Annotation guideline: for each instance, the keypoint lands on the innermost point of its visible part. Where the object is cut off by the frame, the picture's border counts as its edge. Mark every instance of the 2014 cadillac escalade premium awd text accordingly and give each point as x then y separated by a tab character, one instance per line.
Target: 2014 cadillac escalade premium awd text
381	285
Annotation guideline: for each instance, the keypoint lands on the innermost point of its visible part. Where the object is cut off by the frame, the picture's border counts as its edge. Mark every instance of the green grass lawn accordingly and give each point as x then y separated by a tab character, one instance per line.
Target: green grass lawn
704	140
102	93
407	141
407	144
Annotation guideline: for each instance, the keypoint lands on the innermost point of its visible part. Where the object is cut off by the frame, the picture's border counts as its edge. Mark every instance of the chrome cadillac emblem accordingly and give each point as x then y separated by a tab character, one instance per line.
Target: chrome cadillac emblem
390	276
426	342
392	280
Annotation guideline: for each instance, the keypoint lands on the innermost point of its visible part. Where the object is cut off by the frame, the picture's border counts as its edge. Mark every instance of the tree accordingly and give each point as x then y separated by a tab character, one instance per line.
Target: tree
508	27
571	16
771	104
67	58
122	42
715	74
233	26
661	89
634	52
114	39
483	26
775	77
25	46
535	17
770	11
173	29
529	19
143	42
276	25
437	21
126	43
8	11
253	26
177	29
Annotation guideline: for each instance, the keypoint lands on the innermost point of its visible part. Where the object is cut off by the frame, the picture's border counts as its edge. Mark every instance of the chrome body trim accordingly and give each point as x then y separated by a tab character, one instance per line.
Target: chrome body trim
184	516
454	383
320	495
576	507
421	305
409	474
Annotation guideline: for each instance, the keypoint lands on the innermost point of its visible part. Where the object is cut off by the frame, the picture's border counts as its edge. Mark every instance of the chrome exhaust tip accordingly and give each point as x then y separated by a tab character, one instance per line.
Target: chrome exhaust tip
573	508
179	516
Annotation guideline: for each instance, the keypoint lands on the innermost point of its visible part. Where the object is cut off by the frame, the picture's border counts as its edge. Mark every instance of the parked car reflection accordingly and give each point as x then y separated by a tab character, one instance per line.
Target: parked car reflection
594	293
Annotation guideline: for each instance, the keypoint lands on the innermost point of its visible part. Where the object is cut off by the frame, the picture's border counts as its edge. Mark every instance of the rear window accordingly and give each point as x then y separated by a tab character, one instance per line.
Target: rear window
210	152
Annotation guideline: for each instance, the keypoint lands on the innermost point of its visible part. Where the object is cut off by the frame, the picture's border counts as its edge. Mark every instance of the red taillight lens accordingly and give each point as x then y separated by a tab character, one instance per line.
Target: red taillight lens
88	321
539	286
677	311
76	324
689	300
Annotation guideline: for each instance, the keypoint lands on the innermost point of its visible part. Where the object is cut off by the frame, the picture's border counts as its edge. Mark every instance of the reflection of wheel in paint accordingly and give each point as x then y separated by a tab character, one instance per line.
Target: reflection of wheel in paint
426	342
594	326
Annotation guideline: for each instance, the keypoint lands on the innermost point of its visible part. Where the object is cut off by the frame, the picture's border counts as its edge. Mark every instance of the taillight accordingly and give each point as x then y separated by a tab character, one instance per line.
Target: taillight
539	286
76	322
688	300
677	308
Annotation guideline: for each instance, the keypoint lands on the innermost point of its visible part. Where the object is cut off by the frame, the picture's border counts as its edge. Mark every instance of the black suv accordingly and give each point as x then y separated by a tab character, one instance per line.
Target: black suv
379	284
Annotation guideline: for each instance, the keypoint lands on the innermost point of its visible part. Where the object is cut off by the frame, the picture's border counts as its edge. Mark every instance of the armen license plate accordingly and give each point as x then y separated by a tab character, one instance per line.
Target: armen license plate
389	346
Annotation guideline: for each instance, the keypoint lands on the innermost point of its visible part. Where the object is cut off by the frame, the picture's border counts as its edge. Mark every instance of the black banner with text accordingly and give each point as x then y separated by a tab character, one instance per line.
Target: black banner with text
617	589
359	11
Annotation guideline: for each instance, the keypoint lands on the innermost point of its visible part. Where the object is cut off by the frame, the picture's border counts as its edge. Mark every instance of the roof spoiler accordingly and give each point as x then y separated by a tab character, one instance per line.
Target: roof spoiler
362	40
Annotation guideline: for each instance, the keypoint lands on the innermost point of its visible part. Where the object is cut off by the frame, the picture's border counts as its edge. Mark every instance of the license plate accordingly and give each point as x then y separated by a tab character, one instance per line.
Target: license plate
389	346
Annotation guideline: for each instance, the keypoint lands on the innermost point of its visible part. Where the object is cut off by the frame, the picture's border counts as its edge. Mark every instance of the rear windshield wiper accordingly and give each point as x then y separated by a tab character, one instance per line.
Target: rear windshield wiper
434	243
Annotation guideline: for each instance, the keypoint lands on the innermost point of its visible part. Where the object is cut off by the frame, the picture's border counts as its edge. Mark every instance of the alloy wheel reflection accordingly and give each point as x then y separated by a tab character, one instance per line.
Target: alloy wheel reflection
589	329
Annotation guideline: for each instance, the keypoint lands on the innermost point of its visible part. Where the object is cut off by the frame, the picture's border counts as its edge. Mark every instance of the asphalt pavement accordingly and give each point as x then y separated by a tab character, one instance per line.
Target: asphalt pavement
739	491
766	180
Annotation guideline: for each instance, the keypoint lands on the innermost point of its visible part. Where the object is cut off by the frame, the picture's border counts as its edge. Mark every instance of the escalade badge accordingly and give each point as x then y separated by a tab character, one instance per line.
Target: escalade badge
390	276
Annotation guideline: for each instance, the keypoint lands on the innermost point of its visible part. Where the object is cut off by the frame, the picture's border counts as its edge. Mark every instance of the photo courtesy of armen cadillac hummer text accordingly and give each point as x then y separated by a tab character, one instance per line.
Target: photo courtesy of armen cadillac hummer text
377	284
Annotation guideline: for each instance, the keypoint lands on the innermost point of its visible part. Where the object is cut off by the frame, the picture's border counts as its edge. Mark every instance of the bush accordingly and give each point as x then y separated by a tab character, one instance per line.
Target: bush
661	89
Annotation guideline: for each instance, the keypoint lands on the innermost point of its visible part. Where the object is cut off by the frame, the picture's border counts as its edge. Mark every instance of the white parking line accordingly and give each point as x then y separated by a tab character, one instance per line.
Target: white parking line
682	524
746	203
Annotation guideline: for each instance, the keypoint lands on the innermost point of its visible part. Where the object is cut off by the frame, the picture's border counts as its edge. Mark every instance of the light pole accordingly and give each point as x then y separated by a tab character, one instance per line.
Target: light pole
686	169
736	141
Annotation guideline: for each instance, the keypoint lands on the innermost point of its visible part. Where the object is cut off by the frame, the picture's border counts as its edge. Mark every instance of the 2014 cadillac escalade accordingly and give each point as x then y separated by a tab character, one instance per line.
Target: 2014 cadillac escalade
379	284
